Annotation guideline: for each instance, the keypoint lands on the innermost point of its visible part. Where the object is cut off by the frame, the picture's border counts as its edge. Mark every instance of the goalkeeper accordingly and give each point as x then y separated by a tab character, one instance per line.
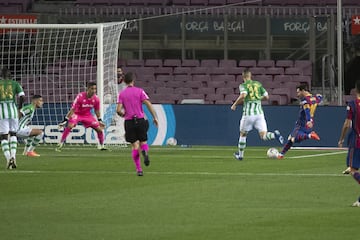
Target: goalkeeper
32	136
80	111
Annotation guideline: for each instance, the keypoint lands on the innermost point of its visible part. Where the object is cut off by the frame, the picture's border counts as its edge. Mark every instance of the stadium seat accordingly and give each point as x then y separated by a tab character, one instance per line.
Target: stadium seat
284	63
227	63
224	90
164	90
190	63
279	79
182	70
247	63
212	63
206	90
200	70
135	63
183	90
199	2
217	2
165	78
163	70
293	71
302	79
305	66
153	63
275	99
182	78
172	63
274	71
265	63
212	98
181	2
257	70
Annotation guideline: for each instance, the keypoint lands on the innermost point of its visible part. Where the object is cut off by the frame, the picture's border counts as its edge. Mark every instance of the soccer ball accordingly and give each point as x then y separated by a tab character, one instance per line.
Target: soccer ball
272	153
171	141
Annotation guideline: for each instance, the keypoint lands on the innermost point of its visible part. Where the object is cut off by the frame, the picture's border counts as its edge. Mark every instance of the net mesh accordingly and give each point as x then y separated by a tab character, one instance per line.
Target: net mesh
56	61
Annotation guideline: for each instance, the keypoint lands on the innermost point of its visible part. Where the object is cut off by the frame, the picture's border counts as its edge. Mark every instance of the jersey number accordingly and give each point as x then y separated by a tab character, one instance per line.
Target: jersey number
6	92
253	92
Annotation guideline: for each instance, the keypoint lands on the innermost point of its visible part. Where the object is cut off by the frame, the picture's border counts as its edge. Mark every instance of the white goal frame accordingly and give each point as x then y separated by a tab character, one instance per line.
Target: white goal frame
106	64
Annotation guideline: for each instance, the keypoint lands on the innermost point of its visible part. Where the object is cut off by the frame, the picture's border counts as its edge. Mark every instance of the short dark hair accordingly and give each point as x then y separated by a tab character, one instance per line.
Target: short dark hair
129	77
302	87
90	84
5	73
246	71
357	86
36	96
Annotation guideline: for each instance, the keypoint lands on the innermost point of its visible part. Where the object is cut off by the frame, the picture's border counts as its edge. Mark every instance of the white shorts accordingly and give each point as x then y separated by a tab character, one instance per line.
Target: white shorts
8	125
258	122
24	132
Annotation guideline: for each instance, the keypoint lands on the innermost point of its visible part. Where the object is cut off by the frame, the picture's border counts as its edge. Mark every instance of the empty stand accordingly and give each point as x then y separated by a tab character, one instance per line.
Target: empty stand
284	63
212	63
172	63
190	63
247	63
266	63
172	80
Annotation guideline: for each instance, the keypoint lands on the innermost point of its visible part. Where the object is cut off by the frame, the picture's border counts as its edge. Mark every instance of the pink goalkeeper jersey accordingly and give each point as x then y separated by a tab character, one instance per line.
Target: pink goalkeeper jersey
131	98
82	105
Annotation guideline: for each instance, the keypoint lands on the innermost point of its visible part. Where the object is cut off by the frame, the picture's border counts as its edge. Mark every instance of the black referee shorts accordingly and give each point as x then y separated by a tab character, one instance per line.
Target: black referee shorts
136	129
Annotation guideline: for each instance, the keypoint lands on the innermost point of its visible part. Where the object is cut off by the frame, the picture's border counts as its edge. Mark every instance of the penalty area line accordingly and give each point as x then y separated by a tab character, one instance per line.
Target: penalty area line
319	155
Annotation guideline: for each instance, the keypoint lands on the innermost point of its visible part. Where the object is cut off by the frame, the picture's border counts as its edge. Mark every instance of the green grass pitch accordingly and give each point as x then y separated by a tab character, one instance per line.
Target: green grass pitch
186	193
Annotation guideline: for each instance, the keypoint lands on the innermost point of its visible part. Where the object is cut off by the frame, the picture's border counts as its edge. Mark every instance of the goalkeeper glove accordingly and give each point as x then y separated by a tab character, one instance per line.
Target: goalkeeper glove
63	123
101	122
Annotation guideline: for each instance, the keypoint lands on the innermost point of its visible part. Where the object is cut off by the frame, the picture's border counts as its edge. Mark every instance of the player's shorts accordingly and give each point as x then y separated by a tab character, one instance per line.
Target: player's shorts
8	125
24	132
353	158
136	129
247	123
87	121
300	131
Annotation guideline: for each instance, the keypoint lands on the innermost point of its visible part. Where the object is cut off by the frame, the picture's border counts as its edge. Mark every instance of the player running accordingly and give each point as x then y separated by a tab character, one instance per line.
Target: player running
81	112
304	125
251	94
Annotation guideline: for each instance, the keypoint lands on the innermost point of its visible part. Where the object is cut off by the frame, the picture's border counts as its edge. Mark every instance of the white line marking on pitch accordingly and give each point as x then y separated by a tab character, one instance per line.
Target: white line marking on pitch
176	173
320	154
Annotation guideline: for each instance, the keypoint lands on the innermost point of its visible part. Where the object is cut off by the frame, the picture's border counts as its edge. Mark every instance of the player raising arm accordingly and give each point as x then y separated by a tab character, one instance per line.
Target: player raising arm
81	112
32	136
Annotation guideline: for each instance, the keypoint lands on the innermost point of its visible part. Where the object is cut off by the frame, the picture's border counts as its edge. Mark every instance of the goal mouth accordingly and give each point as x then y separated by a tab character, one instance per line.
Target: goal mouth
56	61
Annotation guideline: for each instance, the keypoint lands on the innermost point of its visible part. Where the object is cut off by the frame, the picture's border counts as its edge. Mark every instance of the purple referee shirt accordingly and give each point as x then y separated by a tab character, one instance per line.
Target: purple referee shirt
131	98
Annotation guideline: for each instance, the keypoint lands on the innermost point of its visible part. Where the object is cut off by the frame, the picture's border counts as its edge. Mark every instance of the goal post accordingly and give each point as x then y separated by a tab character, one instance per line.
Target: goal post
56	61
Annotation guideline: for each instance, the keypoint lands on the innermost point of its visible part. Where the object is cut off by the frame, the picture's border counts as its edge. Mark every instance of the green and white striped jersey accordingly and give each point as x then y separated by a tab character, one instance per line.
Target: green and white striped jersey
27	115
9	89
254	93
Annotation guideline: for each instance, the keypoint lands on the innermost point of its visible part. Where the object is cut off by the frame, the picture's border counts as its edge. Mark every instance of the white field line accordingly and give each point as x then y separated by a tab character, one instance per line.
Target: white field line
174	173
317	155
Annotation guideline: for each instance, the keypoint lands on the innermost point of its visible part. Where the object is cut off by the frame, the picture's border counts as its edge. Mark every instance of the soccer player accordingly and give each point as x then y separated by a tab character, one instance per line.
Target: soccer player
120	79
251	94
9	121
32	136
80	111
304	125
130	107
352	123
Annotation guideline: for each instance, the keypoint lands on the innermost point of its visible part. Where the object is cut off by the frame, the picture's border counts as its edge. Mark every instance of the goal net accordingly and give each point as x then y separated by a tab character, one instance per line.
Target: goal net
56	61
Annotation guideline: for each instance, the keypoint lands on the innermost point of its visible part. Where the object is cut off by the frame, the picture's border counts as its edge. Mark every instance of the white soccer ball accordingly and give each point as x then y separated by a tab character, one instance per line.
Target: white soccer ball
171	141
272	153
